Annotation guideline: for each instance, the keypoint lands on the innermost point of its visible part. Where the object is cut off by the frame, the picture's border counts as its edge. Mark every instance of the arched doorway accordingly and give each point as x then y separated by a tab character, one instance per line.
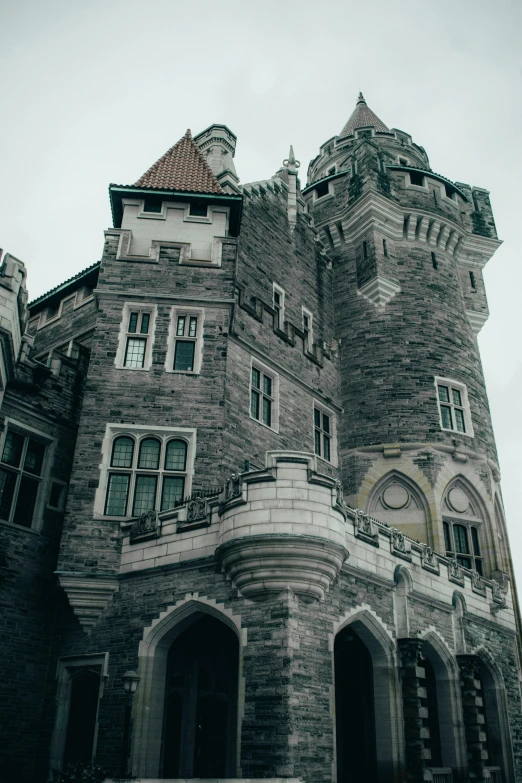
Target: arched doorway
354	709
199	727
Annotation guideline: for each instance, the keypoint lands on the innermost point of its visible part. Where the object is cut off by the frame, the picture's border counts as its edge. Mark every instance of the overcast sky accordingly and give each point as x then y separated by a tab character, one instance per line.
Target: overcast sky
93	92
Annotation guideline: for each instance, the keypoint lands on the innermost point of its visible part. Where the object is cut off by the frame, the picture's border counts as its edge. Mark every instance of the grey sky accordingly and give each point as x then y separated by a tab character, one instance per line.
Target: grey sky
95	91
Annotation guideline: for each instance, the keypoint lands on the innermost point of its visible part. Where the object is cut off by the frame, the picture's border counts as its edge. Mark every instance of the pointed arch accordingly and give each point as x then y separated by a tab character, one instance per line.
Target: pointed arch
148	706
404	586
380	644
496	713
458	492
398	500
449	705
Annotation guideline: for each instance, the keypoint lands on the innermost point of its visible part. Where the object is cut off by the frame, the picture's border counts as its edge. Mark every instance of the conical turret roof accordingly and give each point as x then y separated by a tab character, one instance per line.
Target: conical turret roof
362	117
182	167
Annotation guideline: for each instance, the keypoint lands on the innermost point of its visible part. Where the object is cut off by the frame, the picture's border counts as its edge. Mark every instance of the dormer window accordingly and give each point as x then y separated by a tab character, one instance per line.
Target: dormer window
198	210
152	206
331	171
450	193
403	162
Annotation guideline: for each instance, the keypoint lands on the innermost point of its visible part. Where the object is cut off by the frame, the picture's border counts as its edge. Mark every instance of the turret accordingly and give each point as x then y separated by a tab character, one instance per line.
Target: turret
408	245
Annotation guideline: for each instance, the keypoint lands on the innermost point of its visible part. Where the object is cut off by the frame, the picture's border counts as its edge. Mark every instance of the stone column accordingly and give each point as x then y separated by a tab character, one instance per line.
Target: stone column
416	731
474	721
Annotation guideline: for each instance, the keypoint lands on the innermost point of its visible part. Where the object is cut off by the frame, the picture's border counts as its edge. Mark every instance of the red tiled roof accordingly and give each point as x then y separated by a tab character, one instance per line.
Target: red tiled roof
183	167
362	117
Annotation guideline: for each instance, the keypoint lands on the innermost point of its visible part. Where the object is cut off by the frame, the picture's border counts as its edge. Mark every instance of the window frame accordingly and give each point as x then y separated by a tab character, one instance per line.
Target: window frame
448	524
263	369
124	335
462	389
44	479
139	433
173	338
279	308
308	330
325	411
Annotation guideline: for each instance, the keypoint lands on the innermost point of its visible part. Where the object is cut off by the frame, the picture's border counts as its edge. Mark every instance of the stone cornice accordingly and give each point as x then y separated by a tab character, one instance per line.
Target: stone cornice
88	594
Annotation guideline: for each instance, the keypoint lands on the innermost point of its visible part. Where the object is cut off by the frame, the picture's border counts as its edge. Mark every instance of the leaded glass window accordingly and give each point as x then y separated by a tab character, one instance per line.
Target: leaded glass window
21	469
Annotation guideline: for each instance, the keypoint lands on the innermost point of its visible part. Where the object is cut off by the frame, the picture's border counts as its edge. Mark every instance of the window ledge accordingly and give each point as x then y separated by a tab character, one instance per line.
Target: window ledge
266	426
20	528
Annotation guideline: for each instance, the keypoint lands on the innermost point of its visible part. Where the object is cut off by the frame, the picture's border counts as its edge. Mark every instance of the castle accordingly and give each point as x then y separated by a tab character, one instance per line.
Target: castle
250	515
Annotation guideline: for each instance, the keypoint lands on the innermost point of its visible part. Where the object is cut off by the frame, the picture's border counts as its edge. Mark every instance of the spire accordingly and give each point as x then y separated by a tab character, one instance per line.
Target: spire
182	167
362	117
291	165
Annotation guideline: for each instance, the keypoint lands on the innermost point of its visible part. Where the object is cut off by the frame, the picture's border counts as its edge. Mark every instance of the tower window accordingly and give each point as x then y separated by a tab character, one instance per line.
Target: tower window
322	189
136	337
403	162
138	324
450	192
264	395
384	248
434	261
472	281
322	434
185	342
331	171
308	329
365	249
152	206
278	303
462	543
198	210
453	406
416	178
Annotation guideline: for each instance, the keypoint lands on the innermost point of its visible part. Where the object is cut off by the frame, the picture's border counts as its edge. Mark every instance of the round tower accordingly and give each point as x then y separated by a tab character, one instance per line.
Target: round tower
408	245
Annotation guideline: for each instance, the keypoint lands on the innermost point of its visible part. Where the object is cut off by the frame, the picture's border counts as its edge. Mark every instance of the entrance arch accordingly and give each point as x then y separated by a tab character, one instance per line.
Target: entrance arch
366	674
161	705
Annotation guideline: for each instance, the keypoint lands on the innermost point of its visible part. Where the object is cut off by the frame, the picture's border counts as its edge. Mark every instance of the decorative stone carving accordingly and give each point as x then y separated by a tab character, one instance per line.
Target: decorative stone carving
399	545
477	583
148	525
196	509
232	487
429	561
455	573
366	528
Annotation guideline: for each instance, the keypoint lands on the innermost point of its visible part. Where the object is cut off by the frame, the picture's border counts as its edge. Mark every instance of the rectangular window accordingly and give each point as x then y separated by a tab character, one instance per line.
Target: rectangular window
434	261
185	352
416	178
20	477
321	190
152	206
308	329
278	303
198	210
137	338
453	406
472	281
385	248
263	391
323	431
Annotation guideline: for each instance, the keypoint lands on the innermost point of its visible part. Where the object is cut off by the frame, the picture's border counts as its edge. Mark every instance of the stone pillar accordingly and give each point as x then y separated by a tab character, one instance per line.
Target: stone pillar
416	731
474	721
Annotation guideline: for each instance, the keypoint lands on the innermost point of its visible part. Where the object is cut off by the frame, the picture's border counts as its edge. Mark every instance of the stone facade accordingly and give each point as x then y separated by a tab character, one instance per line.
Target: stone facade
266	409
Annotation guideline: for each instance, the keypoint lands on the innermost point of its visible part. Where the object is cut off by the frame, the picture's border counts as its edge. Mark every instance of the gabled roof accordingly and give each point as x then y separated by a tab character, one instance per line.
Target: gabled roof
87	276
362	117
182	168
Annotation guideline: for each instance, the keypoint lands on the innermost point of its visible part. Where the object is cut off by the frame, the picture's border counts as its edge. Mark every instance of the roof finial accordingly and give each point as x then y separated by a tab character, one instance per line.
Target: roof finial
188	134
291	163
360	99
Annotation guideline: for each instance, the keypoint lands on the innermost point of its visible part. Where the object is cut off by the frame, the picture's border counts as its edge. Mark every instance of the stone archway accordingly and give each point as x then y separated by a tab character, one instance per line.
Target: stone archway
150	700
374	651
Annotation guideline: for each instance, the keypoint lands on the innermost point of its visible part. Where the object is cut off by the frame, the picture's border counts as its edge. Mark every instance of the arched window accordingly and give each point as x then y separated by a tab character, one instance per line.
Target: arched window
462	523
151	477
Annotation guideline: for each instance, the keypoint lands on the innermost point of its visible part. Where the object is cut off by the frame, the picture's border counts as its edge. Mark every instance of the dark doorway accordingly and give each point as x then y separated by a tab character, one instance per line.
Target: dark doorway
83	714
354	709
200	704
